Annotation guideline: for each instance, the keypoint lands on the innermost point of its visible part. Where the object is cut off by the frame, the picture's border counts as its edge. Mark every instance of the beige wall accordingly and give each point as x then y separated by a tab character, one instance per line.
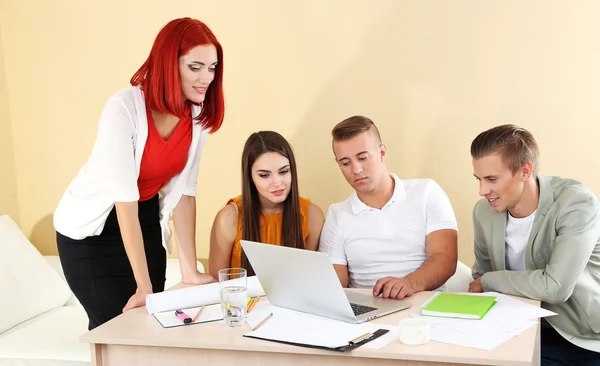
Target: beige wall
431	74
9	203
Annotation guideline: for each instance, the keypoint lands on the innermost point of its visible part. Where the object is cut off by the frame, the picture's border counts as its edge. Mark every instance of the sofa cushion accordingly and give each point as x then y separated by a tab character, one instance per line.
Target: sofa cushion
54	262
461	279
28	284
48	339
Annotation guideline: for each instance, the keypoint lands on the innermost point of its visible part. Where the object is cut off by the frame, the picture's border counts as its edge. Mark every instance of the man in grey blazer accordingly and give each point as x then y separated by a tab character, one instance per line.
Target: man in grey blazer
538	237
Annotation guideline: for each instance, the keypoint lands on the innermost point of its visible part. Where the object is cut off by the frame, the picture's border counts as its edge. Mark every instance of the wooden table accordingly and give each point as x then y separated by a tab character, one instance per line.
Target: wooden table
136	338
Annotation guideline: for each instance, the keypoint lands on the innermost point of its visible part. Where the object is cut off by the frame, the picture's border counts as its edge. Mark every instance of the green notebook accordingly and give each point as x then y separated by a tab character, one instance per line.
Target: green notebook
462	306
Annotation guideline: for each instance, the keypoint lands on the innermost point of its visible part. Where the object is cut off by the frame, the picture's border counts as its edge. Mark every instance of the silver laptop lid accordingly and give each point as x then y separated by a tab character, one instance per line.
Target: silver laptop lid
298	279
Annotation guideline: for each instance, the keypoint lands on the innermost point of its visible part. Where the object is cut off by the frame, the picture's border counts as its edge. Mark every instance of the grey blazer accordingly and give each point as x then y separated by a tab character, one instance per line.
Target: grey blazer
562	258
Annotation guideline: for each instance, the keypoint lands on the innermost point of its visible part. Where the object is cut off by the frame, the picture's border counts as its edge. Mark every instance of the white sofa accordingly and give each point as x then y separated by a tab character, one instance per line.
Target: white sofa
40	319
459	282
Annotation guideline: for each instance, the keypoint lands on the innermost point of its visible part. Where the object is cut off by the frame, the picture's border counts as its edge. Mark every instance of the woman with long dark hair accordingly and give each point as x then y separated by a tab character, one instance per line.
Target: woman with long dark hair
270	209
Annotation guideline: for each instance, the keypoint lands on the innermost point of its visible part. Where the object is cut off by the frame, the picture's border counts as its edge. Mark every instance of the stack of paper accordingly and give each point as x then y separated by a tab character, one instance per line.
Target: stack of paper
508	318
482	334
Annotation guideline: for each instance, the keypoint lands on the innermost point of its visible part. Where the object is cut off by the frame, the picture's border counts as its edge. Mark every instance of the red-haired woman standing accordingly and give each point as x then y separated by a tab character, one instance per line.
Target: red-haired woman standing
112	222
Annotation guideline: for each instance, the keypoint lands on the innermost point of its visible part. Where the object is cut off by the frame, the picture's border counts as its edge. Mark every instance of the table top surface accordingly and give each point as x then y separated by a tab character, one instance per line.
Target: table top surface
138	328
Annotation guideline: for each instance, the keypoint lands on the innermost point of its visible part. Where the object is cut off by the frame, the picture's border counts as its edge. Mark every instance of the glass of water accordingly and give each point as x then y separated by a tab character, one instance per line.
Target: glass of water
234	295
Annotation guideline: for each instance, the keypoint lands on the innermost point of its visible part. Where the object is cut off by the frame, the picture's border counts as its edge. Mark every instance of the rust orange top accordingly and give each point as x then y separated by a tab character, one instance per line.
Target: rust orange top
270	228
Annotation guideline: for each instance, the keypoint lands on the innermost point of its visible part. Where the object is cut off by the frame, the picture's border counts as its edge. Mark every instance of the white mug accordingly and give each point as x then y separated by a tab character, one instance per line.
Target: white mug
414	331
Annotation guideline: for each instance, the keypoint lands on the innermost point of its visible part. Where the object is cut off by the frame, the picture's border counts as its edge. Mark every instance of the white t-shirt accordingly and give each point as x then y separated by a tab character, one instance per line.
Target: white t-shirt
111	172
377	243
517	234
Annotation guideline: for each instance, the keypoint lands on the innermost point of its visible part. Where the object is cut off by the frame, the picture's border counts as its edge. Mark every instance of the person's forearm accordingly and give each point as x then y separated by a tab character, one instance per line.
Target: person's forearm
131	233
432	274
184	218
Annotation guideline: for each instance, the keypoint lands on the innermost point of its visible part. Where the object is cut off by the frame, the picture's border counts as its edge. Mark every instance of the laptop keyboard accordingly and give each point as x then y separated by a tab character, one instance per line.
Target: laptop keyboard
361	309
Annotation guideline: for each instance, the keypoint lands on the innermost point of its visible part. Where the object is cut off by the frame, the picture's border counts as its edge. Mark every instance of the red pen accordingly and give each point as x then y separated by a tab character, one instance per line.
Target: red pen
183	317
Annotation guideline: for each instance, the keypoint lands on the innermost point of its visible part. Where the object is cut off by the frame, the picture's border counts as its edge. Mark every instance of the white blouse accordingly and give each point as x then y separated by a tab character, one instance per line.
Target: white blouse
110	175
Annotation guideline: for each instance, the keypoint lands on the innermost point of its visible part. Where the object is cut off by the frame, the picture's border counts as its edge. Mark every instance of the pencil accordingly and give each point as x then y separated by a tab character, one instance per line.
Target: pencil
253	303
198	314
262	322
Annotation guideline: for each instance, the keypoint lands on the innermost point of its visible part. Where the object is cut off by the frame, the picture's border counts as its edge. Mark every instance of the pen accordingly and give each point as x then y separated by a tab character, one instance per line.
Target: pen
183	317
262	322
198	314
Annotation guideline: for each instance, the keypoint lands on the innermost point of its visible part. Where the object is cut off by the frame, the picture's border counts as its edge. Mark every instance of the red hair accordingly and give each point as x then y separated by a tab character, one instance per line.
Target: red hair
159	75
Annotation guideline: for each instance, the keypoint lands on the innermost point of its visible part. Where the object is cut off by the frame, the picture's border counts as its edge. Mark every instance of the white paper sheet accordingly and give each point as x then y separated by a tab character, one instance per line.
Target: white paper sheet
298	327
510	308
293	326
479	334
210	313
190	297
263	308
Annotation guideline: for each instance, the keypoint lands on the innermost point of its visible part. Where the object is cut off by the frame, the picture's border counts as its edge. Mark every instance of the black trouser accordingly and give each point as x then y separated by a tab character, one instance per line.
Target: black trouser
558	351
97	268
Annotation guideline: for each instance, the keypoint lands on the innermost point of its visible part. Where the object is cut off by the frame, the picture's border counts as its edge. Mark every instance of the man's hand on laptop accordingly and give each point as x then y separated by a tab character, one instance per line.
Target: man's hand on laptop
393	288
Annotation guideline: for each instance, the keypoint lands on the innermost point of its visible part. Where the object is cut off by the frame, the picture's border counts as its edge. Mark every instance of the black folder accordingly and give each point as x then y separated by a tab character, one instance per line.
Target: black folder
353	344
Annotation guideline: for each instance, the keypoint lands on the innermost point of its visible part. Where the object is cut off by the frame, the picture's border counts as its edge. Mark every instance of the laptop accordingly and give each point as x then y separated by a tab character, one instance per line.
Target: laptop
306	281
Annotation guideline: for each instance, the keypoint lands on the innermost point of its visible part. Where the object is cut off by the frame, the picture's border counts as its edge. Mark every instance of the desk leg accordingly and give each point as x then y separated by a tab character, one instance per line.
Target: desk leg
96	354
537	358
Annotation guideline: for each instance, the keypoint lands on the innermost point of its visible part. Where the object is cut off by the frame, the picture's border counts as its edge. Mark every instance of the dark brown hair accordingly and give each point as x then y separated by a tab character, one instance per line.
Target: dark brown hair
291	234
515	144
352	126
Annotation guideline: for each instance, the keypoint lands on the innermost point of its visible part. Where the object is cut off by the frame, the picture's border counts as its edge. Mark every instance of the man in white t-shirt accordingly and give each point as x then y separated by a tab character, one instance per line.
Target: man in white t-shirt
539	237
396	236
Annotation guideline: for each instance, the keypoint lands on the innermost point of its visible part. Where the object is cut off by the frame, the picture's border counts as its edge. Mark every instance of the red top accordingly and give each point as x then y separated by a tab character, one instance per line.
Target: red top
163	159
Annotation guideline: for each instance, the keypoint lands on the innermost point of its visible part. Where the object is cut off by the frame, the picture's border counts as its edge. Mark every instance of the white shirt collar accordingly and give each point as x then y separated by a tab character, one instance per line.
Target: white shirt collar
399	195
